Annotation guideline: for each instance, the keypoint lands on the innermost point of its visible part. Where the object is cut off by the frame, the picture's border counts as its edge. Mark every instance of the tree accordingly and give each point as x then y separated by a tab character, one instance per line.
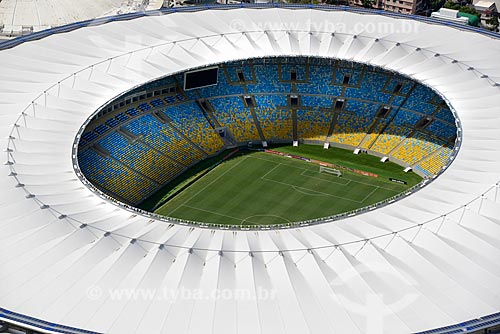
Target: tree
368	3
463	9
451	5
493	22
436	4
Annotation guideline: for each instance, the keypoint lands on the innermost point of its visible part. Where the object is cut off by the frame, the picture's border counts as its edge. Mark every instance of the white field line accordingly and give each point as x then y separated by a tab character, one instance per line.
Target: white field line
371	193
271	170
205	187
309	192
242	221
209	211
307	169
248	218
306	190
330	181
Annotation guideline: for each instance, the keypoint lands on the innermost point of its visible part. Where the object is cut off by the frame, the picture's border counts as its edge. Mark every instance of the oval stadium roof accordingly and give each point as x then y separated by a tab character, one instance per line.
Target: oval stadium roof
67	255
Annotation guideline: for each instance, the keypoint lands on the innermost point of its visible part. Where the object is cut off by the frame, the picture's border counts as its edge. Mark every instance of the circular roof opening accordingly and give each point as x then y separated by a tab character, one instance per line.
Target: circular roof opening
268	142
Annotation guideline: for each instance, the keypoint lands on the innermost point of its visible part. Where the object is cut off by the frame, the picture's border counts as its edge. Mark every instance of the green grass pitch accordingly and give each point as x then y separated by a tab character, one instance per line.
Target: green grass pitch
260	188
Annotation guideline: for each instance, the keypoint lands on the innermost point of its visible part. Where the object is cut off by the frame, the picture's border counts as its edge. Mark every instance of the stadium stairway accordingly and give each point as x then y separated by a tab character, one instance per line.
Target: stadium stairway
333	123
100	150
403	142
280	73
252	111
370	131
294	124
189	140
257	124
408	94
127	134
337	113
207	110
374	128
134	170
428	157
178	163
295	135
164	119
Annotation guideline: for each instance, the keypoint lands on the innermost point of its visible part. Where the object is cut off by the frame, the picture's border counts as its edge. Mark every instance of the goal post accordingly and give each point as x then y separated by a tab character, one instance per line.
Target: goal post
328	170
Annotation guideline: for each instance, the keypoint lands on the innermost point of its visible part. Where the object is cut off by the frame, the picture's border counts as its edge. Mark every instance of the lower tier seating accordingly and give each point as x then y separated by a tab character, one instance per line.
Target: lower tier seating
436	161
416	148
275	124
350	129
390	138
113	177
231	113
189	119
141	158
313	124
165	139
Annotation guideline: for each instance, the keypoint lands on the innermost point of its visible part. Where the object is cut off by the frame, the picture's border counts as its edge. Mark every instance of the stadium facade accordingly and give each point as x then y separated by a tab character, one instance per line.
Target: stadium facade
426	261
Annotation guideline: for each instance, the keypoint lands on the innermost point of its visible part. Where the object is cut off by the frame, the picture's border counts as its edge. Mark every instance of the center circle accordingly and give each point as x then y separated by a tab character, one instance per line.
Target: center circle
268	142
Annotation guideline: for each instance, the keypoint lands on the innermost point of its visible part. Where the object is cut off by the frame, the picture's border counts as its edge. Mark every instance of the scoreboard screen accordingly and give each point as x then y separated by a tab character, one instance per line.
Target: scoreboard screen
201	78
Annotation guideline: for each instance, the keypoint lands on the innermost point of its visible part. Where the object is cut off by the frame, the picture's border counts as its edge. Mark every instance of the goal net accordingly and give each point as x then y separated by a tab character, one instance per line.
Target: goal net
328	170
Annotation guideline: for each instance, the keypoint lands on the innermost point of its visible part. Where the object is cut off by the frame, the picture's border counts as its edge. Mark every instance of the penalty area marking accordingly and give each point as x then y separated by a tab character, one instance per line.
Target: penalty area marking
311	170
304	190
330	181
271	170
308	191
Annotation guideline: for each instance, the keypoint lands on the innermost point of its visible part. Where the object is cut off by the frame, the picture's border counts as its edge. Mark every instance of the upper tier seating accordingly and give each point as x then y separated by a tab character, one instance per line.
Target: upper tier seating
223	87
268	80
232	71
370	88
446	115
420	100
299	69
406	118
393	82
441	129
320	82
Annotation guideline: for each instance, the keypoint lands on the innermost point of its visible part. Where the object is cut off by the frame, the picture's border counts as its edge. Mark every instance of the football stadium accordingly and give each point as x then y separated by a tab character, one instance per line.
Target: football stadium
251	169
